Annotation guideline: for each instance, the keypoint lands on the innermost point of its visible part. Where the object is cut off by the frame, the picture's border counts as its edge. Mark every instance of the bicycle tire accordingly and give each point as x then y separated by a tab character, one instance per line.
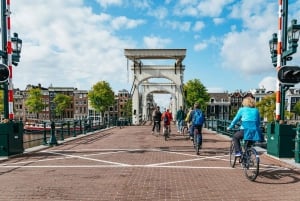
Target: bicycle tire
232	158
166	133
185	131
251	164
196	141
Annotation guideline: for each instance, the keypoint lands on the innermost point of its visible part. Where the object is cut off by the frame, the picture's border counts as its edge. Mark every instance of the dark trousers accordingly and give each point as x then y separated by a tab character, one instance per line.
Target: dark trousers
237	140
198	137
156	123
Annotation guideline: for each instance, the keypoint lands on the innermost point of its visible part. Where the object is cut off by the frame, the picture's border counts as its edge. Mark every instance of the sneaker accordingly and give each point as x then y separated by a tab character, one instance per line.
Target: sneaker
152	132
191	138
238	154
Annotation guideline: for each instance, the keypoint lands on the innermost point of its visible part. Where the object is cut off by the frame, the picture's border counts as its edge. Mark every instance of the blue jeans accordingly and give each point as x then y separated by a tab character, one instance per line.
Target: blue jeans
179	125
191	131
198	137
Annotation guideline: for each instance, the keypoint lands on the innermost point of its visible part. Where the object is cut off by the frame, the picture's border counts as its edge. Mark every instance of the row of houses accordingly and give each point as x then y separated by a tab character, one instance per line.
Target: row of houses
220	106
223	105
78	109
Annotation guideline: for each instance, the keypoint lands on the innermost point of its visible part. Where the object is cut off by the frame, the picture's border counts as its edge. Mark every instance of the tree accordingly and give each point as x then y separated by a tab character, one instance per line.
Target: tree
267	106
297	108
128	108
34	101
101	96
195	91
1	103
62	102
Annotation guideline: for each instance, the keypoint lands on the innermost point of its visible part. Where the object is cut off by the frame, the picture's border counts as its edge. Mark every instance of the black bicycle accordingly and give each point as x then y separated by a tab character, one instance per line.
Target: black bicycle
166	132
197	139
249	159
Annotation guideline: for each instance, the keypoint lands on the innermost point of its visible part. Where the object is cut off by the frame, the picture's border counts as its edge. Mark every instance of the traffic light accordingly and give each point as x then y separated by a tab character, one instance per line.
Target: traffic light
289	74
4	73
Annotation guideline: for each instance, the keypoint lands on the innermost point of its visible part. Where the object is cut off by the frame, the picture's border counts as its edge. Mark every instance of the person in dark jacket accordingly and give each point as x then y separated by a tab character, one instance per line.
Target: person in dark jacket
156	119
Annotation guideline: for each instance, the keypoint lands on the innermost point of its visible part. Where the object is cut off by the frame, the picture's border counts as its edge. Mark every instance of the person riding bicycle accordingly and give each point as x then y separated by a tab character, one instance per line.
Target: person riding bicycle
194	124
166	117
156	119
250	129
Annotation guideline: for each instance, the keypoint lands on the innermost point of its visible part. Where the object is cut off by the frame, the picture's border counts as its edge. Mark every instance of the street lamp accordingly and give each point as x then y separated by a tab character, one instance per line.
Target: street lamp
273	48
17	47
291	36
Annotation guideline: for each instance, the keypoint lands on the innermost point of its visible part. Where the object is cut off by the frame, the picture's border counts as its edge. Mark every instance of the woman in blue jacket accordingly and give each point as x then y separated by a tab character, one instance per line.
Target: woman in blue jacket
249	117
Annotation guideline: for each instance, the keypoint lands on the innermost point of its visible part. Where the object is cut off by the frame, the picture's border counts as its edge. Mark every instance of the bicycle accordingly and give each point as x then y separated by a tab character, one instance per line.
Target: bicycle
197	141
185	129
249	159
166	131
157	127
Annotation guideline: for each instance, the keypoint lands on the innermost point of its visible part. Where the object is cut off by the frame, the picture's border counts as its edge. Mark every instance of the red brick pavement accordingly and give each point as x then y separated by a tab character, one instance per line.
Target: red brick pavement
132	164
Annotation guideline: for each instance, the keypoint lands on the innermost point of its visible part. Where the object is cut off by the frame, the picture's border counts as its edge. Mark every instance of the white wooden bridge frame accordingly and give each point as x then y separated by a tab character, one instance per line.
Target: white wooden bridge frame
142	73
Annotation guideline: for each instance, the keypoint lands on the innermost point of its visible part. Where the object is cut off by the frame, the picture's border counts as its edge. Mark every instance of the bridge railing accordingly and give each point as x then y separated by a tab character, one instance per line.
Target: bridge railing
35	136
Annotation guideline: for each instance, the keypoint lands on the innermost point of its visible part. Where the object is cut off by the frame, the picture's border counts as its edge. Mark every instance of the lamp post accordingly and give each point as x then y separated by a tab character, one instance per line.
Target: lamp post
282	46
10	55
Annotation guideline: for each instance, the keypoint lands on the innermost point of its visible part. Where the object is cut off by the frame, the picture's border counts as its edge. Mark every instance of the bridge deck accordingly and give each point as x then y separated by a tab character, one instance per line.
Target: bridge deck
132	164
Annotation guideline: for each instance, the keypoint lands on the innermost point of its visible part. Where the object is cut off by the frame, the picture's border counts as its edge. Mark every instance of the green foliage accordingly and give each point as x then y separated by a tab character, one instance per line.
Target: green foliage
128	108
62	102
101	96
297	108
267	107
1	102
34	101
195	91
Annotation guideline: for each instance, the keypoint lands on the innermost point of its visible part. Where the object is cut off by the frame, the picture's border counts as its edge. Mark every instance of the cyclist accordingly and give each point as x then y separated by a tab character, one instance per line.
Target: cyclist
156	119
166	117
250	124
196	125
180	118
189	123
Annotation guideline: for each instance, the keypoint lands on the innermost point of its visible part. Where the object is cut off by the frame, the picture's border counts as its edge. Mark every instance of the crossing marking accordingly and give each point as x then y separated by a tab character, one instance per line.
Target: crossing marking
111	164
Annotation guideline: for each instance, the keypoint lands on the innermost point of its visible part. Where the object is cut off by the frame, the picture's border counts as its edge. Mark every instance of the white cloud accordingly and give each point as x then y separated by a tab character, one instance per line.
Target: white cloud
123	22
218	20
200	46
269	83
153	42
199	25
65	44
106	3
159	13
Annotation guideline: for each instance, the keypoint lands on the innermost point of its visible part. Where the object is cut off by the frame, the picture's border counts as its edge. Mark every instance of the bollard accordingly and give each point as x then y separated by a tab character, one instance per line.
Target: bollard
53	140
62	132
74	128
45	135
297	144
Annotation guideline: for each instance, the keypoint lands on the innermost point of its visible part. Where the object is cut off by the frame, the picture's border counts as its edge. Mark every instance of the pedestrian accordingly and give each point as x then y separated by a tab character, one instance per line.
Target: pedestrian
250	129
197	119
189	123
179	119
166	117
156	119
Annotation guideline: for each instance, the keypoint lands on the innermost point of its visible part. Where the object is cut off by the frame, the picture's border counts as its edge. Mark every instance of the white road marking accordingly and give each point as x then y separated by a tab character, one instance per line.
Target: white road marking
112	164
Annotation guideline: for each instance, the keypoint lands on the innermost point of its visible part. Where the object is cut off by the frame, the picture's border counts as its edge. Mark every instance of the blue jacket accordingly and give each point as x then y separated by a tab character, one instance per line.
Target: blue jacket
250	123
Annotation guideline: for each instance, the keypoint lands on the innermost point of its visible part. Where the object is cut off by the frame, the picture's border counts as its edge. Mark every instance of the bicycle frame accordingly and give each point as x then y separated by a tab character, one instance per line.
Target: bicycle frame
197	139
249	160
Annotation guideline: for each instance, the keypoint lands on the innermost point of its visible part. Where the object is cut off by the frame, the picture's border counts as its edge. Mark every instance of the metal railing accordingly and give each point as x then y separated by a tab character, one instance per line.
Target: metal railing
35	136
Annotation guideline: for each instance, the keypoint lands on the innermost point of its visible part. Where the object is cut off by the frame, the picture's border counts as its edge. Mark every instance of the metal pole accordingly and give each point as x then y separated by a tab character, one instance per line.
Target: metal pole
281	60
9	62
4	60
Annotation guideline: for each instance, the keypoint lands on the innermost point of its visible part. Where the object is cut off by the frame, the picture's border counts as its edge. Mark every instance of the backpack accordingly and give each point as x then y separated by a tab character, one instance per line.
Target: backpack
198	118
166	118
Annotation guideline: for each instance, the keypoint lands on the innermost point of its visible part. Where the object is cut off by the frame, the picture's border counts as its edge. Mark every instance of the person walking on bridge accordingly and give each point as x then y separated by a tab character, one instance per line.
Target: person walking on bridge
156	119
180	118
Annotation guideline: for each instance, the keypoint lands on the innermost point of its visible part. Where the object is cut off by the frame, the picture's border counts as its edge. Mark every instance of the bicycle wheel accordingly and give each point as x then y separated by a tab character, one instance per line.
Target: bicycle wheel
251	164
232	158
166	133
196	141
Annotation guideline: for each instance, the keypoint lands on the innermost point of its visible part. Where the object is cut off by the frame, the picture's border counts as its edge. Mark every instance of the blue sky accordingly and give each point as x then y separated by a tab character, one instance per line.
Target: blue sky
76	43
